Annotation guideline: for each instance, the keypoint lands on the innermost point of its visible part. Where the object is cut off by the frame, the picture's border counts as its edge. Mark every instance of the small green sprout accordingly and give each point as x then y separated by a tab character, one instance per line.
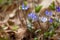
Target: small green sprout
51	28
29	25
5	2
38	8
1	1
35	38
52	6
25	3
55	24
14	28
4	38
31	29
46	34
51	33
38	31
4	27
20	7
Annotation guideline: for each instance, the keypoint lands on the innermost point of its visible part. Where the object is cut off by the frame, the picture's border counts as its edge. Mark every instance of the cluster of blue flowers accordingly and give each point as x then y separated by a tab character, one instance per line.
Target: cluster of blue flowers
34	16
48	13
24	7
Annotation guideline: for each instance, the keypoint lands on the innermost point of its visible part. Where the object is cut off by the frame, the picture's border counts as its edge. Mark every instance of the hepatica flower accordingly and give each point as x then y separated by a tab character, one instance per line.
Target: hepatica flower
58	9
48	13
33	16
50	20
25	7
43	19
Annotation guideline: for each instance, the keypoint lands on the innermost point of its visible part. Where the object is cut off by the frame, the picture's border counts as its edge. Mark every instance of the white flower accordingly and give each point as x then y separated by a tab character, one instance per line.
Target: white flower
43	19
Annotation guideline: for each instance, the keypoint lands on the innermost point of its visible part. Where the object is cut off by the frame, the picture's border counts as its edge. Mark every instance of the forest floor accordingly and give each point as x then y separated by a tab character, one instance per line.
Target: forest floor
15	24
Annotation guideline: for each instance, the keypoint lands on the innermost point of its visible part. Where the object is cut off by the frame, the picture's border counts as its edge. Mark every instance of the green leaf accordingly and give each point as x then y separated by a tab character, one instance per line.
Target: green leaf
52	6
20	7
35	38
38	31
51	33
31	29
46	34
55	24
14	28
5	2
25	3
38	8
1	1
9	1
51	28
3	38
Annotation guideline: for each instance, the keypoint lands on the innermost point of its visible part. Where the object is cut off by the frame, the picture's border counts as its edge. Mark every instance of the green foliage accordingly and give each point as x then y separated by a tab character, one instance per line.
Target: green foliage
31	29
46	34
51	33
29	25
9	1
38	31
25	3
2	2
14	28
35	38
4	38
52	6
55	24
20	7
38	8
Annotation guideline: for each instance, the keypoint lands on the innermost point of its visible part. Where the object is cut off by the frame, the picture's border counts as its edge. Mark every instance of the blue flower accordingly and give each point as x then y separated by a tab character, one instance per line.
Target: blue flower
48	13
43	19
58	9
33	16
24	7
50	20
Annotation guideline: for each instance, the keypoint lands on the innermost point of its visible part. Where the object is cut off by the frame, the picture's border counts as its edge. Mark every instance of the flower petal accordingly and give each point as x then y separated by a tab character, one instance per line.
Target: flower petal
43	19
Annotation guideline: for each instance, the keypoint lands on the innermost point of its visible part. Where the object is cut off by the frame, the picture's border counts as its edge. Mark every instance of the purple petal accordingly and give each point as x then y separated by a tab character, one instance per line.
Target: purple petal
50	20
33	16
58	9
24	7
48	13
